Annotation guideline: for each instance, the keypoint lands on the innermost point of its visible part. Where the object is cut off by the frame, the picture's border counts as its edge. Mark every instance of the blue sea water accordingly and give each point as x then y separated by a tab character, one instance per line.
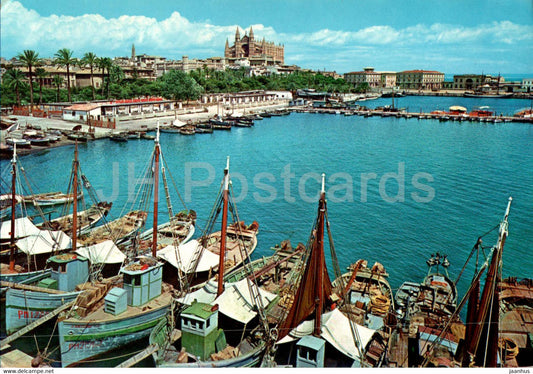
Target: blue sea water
398	189
442	184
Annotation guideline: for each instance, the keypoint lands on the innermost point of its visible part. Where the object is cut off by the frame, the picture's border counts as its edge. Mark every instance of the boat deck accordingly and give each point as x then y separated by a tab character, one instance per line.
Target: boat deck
100	316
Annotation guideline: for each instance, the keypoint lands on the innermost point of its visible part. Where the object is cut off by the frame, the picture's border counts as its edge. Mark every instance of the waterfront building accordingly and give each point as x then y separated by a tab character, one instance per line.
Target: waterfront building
470	81
374	79
527	84
368	76
420	79
258	97
257	52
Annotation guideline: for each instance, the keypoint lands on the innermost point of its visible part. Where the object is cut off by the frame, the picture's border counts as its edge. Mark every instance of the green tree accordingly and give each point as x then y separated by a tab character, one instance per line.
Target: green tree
104	64
179	85
63	57
40	74
14	79
58	81
91	60
30	59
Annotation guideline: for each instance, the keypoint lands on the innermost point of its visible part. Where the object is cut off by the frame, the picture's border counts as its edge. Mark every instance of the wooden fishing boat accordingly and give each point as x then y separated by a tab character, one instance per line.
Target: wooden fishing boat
51	198
516	329
119	230
424	309
132	306
224	323
220	124
499	317
120	137
368	298
272	275
87	219
200	260
21	143
128	313
187	130
56	287
313	319
178	230
204	130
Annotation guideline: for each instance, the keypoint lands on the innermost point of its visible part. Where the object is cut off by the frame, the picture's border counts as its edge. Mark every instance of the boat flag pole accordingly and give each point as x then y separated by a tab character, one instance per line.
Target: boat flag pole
75	200
320	243
222	254
13	204
156	192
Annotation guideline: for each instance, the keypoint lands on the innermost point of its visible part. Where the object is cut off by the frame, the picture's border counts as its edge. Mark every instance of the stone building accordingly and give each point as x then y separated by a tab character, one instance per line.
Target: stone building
374	79
420	79
248	47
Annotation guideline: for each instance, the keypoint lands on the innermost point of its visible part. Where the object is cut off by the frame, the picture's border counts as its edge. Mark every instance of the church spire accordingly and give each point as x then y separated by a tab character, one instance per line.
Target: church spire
237	34
133	51
251	34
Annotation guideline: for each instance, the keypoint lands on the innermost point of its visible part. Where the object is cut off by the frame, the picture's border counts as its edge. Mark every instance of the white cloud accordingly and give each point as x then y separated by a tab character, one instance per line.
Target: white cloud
174	36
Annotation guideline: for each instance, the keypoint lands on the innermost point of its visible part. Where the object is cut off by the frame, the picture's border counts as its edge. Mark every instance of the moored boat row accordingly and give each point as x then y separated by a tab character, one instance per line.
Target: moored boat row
216	307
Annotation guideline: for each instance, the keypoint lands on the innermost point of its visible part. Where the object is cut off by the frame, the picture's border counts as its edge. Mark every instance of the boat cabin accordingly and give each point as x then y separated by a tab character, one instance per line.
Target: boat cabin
201	336
68	270
142	281
310	352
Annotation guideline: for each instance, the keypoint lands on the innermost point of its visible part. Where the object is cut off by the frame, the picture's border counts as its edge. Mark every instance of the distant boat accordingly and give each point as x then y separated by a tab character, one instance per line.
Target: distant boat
119	137
488	95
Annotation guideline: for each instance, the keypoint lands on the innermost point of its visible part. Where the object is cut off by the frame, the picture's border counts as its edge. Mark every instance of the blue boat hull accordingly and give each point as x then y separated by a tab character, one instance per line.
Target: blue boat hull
24	307
83	340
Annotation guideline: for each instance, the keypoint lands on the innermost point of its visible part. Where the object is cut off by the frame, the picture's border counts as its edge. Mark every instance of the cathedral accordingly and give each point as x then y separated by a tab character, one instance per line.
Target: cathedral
248	47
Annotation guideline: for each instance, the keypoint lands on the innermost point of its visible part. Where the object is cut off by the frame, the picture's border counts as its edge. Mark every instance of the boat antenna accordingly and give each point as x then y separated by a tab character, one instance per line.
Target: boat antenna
222	254
13	203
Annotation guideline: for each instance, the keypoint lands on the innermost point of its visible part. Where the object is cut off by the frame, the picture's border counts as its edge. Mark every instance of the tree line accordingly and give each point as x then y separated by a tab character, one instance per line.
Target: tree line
17	88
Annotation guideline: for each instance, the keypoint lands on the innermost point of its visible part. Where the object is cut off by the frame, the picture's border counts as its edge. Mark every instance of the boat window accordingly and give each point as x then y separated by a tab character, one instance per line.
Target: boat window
207	323
134	280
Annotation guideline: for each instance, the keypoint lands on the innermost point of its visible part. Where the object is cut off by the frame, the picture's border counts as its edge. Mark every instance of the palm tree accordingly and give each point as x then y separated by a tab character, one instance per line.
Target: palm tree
40	74
58	81
14	79
30	59
105	64
63	57
90	59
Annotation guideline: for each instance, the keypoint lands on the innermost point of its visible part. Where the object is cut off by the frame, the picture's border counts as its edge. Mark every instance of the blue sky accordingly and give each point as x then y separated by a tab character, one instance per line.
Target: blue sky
452	36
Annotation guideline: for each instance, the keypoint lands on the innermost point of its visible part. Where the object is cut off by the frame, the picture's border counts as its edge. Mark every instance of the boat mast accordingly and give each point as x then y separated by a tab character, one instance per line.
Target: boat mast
75	199
320	246
156	192
223	234
13	203
488	309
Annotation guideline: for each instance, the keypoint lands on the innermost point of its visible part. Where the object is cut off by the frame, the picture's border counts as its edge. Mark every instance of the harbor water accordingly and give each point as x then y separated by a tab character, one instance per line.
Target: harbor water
398	189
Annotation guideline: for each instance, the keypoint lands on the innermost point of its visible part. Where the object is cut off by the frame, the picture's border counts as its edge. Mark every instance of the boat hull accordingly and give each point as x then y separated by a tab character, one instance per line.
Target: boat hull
82	340
24	307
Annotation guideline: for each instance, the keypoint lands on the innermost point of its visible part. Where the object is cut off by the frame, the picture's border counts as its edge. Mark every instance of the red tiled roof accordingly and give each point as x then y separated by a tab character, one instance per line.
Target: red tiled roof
83	107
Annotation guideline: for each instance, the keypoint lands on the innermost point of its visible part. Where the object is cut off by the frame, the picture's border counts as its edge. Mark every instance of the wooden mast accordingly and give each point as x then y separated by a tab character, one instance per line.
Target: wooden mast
75	200
222	254
156	192
485	354
13	204
320	246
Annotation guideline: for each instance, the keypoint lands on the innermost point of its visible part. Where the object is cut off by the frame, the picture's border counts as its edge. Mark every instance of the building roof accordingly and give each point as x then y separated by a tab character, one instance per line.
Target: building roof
83	107
201	310
421	71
